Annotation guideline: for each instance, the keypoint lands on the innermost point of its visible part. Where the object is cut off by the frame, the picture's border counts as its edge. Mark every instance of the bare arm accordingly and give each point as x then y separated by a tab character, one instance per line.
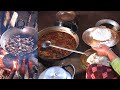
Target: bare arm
104	50
114	59
111	55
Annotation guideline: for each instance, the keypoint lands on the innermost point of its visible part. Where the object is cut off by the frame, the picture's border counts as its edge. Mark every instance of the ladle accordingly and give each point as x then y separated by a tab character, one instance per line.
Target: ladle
47	44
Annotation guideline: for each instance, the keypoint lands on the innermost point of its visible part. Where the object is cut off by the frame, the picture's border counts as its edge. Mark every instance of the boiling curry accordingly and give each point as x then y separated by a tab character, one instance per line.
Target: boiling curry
57	38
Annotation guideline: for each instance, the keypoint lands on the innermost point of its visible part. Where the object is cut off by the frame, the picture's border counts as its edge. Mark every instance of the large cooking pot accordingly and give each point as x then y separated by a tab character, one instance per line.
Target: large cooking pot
60	29
25	32
58	72
88	39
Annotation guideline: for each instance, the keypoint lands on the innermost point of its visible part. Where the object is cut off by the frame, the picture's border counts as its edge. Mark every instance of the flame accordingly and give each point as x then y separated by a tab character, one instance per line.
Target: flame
3	52
14	64
1	62
1	56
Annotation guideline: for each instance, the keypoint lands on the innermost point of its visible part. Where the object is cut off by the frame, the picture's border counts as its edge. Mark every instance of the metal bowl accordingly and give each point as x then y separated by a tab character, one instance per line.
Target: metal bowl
25	32
93	43
83	59
66	15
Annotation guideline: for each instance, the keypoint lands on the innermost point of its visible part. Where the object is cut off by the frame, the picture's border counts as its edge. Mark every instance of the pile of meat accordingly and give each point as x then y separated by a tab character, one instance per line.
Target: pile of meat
19	46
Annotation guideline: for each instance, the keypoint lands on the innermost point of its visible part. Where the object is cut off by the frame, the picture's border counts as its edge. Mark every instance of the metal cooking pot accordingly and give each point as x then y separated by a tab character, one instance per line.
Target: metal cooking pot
65	15
115	25
58	72
86	36
25	32
60	29
66	19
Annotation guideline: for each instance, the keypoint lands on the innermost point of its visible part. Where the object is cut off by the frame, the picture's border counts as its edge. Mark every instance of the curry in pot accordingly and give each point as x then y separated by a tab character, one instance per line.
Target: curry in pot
57	38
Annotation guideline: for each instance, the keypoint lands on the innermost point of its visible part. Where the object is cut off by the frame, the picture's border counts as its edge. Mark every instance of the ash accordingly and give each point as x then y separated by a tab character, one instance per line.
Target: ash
19	46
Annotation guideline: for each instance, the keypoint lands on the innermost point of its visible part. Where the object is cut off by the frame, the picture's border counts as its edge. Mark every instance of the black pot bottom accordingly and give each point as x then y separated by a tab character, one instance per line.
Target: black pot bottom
52	62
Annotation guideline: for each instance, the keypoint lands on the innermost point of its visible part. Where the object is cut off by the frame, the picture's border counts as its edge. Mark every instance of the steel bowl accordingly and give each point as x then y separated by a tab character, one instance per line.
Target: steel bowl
25	32
88	39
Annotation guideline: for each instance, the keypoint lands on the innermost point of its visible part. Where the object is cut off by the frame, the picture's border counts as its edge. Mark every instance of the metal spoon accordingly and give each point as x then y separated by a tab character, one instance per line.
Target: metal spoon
47	44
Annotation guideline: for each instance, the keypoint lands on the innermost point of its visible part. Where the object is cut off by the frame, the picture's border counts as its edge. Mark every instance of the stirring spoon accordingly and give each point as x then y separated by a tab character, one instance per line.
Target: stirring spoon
47	44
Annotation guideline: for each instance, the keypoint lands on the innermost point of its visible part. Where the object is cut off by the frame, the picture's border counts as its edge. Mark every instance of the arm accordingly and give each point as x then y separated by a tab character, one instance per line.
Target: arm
111	55
114	59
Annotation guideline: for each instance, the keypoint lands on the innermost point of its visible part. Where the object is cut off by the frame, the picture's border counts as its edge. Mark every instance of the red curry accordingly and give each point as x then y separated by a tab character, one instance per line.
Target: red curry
57	38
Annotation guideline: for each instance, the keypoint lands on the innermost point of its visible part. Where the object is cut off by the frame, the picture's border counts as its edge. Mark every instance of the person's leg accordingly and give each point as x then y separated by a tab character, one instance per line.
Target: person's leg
97	71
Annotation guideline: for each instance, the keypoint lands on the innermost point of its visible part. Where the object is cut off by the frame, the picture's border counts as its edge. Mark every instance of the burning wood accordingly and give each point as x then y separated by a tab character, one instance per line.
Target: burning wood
12	73
14	65
2	54
9	63
1	73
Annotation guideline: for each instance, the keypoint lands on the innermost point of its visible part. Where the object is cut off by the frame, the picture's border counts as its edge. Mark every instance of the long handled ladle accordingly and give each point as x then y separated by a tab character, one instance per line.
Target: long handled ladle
47	44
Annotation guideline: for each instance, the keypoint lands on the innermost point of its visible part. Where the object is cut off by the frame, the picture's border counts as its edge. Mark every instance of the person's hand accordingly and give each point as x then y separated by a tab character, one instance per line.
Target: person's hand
102	50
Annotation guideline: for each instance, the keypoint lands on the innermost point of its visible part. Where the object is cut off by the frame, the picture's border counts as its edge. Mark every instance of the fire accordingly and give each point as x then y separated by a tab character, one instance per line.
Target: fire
1	62
15	65
3	52
1	57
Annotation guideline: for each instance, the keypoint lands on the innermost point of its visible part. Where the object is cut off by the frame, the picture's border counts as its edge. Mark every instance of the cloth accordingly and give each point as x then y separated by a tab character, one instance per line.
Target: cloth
116	65
98	71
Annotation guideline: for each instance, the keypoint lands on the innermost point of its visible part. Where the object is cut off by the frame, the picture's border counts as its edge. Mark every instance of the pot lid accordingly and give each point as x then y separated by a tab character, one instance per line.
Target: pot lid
55	72
66	15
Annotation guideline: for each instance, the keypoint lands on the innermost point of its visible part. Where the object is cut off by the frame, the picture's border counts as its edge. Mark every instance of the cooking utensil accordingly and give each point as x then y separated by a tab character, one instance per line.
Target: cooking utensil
83	59
72	25
60	29
88	39
25	32
66	15
58	72
66	19
20	24
115	25
47	44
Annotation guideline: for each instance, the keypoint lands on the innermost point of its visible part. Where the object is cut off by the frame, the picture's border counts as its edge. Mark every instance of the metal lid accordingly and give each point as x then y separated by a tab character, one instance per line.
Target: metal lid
55	72
66	15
